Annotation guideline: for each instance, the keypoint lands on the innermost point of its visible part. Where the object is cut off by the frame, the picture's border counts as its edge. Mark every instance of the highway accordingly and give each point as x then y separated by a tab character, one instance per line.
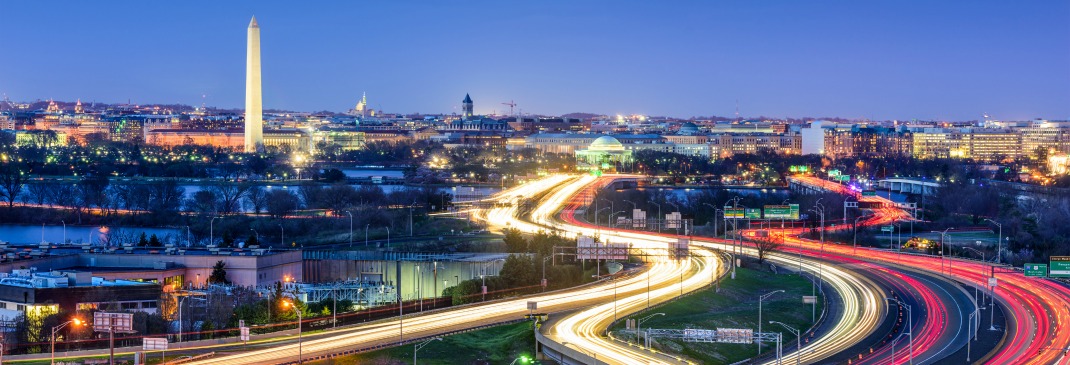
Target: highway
1036	308
663	278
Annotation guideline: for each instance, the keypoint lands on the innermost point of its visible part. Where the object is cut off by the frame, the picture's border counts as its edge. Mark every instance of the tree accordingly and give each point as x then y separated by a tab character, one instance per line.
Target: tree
333	175
219	273
229	196
514	240
12	180
767	245
143	240
155	241
281	203
519	270
251	241
256	198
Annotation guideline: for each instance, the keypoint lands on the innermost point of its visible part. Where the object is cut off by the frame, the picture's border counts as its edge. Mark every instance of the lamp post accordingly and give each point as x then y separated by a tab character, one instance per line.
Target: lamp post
257	235
910	327
211	230
639	325
544	259
64	232
856	233
387	236
999	241
659	215
942	256
299	338
760	300
420	346
366	235
410	217
282	235
820	210
798	340
76	321
350	228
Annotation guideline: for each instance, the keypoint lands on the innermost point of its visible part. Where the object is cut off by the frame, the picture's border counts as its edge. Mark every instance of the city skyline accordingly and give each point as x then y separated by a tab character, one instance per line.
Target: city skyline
853	61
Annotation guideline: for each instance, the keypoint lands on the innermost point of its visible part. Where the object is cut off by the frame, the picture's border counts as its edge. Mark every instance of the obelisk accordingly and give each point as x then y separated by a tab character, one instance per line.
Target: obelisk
254	108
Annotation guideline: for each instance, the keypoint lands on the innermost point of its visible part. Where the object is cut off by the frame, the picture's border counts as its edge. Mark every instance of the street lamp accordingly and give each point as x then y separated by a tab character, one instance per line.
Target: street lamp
522	359
544	259
350	229
299	339
999	240
639	326
257	235
798	340
856	233
420	346
76	322
282	236
659	215
942	245
760	300
910	327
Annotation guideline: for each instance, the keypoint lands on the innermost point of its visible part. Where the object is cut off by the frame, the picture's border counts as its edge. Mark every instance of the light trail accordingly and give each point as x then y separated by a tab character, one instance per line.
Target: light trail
1036	308
863	300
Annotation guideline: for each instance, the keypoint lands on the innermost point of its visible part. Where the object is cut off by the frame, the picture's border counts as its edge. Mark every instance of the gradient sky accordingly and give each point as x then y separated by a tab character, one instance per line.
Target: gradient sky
949	60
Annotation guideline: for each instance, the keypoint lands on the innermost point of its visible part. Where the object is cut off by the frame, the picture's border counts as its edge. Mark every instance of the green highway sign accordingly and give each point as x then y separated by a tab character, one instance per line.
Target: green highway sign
790	211
1060	267
844	177
869	193
834	172
799	168
753	213
1036	270
887	228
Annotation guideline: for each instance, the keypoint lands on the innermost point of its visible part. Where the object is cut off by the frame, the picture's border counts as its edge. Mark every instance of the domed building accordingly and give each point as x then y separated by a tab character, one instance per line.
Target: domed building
688	129
604	153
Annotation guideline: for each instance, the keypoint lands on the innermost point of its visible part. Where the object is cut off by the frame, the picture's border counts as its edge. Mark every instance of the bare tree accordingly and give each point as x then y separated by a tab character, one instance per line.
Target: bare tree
767	245
12	180
229	196
256	199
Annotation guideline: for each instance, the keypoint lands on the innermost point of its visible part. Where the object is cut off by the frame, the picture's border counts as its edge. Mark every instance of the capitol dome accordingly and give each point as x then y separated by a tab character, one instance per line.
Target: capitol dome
606	143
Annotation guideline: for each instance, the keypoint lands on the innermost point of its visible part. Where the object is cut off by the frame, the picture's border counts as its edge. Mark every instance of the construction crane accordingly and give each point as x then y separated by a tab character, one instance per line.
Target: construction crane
511	105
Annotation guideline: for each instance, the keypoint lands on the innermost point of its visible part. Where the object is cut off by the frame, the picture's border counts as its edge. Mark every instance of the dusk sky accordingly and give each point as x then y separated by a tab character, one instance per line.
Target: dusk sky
950	60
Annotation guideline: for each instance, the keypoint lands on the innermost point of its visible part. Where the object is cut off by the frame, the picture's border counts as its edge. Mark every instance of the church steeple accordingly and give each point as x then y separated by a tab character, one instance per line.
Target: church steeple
78	109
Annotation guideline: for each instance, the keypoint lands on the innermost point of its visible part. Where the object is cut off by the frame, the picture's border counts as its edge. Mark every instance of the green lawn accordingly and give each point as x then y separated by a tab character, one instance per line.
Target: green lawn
736	306
496	345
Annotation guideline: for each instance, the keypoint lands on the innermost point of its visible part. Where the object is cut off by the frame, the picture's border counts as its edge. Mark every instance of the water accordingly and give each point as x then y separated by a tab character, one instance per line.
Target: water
683	192
364	173
32	234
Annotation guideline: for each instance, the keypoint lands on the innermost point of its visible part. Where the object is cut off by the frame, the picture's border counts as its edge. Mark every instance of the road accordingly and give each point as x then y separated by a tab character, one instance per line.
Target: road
663	284
1036	309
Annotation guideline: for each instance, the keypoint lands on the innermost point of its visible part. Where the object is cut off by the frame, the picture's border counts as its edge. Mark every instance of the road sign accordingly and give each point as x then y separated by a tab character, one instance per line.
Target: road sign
1059	267
1036	270
834	173
992	282
753	213
809	299
725	335
869	193
153	343
734	212
533	306
244	333
799	168
887	228
843	178
777	212
109	322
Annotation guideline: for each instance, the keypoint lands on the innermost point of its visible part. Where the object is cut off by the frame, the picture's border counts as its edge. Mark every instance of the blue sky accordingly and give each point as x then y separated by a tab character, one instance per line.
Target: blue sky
947	60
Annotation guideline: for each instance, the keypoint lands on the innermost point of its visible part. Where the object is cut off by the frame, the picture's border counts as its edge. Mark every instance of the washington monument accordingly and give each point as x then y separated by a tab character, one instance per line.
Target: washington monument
254	108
